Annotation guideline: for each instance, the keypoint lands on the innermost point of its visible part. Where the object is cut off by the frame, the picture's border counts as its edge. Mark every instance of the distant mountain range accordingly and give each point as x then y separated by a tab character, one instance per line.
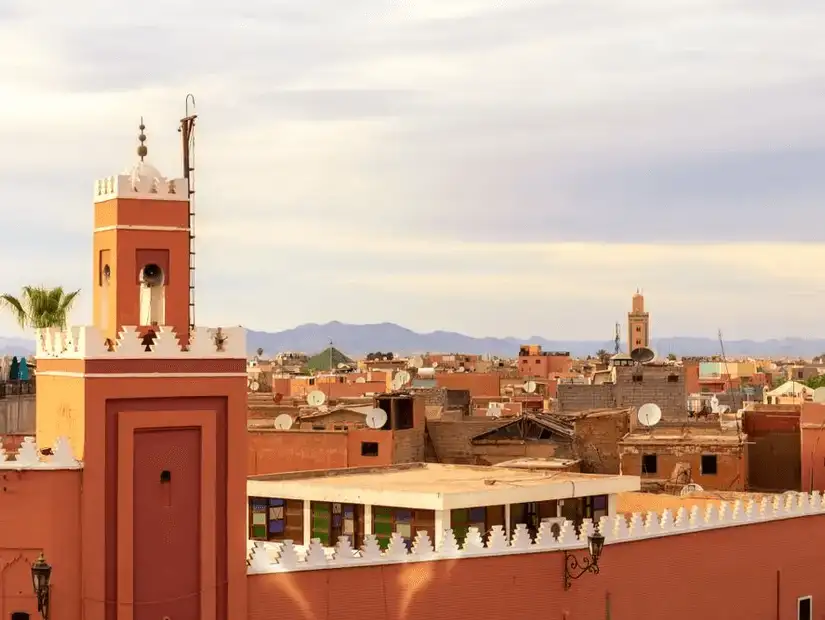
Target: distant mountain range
358	340
16	346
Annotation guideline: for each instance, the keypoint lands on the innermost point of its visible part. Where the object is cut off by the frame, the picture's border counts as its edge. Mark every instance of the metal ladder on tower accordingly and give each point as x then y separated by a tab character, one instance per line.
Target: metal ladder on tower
187	130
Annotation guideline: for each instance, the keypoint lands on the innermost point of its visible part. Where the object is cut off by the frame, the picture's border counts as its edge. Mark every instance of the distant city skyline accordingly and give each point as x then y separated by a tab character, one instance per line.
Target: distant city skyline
494	170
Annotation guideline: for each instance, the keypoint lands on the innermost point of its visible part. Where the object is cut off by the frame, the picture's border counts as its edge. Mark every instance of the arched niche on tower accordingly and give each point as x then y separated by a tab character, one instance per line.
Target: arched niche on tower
152	294
152	281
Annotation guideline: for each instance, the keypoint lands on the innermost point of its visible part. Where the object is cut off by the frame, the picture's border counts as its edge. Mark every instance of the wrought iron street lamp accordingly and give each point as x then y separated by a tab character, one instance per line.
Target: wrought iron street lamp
573	569
41	580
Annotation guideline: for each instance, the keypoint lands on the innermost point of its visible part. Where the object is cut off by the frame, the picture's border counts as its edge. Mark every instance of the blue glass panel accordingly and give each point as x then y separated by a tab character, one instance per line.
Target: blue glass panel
275	502
403	515
478	514
276	527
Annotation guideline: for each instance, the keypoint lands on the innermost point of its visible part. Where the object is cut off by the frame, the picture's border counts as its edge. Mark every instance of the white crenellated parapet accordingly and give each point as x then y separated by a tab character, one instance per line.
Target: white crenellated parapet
29	456
143	182
87	342
616	529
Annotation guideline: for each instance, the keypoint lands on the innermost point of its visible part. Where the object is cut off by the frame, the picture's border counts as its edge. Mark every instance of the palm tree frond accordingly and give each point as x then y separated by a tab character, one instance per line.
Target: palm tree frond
40	307
15	306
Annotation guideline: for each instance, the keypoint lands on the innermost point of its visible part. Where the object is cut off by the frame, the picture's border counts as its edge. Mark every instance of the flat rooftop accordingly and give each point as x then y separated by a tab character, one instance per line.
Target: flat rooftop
429	486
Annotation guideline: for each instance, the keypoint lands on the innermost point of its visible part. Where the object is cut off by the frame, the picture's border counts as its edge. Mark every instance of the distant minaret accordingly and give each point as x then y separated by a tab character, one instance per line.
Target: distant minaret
638	324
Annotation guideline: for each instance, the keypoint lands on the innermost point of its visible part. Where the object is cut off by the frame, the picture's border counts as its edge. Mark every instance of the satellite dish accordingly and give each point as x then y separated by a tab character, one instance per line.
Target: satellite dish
649	414
819	395
690	488
341	365
360	380
461	369
714	404
396	384
530	387
403	377
642	355
416	362
283	422
376	418
435	364
316	398
254	386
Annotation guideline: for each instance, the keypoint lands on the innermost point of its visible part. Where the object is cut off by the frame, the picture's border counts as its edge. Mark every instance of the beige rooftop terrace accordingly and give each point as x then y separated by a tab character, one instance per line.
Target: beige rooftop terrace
428	486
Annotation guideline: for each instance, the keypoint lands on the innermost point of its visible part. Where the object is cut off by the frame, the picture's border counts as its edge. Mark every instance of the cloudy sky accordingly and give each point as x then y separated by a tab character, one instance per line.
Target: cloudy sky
494	168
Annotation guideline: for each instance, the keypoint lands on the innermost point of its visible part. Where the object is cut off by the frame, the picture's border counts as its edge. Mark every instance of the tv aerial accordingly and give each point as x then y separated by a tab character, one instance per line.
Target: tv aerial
649	415
530	387
376	418
283	422
316	398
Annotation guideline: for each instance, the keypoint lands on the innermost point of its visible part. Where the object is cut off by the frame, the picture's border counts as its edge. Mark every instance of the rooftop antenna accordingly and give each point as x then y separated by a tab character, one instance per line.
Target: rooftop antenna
617	339
187	132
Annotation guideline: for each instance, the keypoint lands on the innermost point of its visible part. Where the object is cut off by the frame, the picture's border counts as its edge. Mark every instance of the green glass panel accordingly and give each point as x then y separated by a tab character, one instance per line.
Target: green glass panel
259	531
384	529
382	512
459	516
320	523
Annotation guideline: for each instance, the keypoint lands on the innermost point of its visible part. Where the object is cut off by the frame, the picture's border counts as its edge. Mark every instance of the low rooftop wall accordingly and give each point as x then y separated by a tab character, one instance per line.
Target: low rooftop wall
285	557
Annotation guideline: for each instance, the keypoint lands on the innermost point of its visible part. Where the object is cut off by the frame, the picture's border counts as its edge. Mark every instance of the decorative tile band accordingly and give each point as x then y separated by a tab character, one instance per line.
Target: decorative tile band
87	342
553	535
30	457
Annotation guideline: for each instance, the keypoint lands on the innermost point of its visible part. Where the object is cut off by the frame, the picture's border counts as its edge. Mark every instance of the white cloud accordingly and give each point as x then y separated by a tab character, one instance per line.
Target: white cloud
473	165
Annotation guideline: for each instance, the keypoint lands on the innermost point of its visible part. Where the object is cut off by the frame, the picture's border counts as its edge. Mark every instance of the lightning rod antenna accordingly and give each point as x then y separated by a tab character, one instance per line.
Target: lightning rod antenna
187	131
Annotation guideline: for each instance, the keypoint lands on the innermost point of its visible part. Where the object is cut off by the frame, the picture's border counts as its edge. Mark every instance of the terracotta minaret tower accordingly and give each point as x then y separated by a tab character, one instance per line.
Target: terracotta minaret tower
141	250
159	423
638	324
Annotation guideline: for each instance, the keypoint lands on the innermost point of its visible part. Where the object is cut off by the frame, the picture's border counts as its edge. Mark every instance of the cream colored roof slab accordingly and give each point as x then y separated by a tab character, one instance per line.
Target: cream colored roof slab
428	486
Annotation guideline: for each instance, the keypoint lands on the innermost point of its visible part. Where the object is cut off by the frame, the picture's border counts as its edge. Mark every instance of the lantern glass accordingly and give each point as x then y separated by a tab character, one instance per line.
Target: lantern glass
41	574
595	544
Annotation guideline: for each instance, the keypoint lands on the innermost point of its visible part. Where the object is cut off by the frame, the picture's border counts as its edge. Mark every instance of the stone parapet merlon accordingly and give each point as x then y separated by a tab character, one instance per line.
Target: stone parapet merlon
553	535
140	186
88	342
29	457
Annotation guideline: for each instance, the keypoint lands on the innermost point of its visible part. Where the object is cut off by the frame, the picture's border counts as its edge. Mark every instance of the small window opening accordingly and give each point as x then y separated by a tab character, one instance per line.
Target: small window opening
369	448
637	378
20	615
805	609
708	465
404	414
649	464
673	378
165	476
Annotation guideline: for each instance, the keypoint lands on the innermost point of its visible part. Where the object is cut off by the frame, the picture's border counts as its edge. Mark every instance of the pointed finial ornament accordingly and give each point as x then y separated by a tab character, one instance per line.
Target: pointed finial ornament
142	150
